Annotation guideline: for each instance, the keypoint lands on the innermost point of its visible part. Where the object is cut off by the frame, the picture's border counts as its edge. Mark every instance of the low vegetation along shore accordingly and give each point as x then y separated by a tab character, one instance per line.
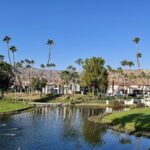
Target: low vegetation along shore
7	107
136	121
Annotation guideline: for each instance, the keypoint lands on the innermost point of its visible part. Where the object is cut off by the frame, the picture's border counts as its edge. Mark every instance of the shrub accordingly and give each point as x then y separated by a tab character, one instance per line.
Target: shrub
117	104
140	105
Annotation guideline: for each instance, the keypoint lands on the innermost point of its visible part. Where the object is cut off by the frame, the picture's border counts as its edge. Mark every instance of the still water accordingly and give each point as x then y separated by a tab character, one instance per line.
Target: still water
64	128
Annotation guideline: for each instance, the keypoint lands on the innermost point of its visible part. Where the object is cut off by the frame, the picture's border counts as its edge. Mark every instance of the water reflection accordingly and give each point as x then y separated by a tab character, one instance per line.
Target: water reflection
63	128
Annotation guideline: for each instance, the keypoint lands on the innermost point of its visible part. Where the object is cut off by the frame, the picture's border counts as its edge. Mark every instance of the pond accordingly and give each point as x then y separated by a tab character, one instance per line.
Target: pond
63	128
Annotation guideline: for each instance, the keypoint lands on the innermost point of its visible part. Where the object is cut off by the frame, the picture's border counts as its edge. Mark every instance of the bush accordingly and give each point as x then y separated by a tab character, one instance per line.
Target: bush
140	105
117	104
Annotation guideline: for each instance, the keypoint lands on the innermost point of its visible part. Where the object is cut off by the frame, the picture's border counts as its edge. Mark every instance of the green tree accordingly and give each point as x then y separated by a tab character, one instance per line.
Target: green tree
69	75
95	75
6	77
73	74
38	84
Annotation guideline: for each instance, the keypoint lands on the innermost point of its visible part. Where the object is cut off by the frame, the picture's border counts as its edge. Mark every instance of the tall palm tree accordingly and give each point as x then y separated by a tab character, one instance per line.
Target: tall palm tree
124	63
49	66
7	40
32	62
52	66
136	40
13	50
49	43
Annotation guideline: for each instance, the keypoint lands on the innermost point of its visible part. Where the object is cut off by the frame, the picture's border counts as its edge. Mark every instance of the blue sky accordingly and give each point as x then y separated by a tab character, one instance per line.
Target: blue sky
79	28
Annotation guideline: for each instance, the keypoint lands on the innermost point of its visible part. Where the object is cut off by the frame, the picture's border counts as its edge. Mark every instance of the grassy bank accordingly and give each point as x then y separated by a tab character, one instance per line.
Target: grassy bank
134	121
66	99
7	106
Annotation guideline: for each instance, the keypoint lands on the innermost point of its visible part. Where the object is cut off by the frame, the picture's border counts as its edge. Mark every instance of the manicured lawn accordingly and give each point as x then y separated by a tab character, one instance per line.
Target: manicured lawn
134	120
6	106
25	96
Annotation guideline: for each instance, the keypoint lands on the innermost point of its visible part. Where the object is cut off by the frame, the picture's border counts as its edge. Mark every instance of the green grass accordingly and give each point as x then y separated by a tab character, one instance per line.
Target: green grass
6	106
76	97
25	96
66	99
135	120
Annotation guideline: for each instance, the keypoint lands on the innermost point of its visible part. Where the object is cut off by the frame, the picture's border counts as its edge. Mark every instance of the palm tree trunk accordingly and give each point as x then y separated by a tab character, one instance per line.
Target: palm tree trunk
9	54
137	58
48	61
15	76
49	55
51	74
29	85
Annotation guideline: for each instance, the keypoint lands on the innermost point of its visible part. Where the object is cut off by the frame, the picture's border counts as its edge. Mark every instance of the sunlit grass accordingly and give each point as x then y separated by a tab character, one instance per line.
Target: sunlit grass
133	120
7	106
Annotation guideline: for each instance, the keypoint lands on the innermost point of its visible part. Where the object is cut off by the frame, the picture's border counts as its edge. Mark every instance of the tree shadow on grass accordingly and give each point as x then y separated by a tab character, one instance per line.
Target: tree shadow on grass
47	98
141	122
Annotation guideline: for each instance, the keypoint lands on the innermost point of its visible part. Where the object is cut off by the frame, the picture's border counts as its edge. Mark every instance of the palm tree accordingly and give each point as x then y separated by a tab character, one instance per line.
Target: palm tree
110	70
28	67
1	58
79	62
19	65
130	63
71	68
49	43
119	71
7	40
13	50
51	66
136	40
42	66
32	62
126	63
